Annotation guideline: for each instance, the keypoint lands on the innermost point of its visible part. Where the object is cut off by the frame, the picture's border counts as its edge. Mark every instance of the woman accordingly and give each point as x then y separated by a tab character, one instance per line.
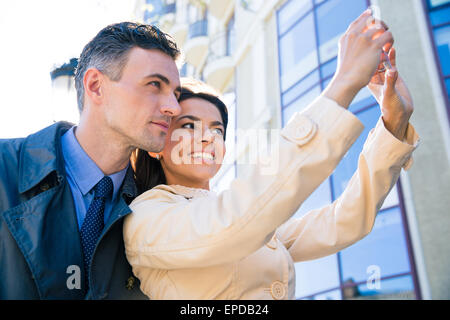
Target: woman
185	242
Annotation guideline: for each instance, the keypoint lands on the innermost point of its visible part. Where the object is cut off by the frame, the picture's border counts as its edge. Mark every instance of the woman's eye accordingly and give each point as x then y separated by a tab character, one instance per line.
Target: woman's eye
188	125
218	131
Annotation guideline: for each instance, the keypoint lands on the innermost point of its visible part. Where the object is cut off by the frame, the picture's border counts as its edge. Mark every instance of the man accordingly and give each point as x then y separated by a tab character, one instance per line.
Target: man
127	87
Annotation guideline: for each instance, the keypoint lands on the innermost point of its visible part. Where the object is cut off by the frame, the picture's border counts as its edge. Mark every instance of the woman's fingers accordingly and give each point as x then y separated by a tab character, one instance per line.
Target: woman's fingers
392	57
362	22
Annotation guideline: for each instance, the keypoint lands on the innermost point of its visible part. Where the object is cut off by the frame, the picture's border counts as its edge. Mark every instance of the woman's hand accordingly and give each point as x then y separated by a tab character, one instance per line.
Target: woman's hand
360	49
393	96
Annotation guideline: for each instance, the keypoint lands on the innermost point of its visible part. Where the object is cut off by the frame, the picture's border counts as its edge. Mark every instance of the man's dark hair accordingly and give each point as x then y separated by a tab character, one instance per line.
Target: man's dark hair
108	50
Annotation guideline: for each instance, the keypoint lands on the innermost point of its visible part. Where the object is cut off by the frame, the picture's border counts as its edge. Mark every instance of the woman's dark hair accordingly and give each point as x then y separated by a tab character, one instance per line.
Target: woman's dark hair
148	172
108	50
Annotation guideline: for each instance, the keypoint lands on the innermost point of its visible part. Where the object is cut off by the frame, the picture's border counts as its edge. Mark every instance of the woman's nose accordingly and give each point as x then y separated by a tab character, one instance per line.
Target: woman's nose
207	136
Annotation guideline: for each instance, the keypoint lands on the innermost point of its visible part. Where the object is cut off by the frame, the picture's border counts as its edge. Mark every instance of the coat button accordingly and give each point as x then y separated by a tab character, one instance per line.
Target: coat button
130	283
272	244
305	127
278	290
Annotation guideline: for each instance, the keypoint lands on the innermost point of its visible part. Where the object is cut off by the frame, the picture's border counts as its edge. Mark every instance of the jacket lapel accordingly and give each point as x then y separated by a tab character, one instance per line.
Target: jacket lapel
44	224
46	231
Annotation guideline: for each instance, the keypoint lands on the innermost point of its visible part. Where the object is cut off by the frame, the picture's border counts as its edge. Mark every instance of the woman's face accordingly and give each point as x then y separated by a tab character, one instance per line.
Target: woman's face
194	147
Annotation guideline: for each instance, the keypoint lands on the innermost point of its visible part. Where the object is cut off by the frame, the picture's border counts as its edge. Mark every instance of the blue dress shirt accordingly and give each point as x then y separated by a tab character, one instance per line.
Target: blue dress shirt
83	174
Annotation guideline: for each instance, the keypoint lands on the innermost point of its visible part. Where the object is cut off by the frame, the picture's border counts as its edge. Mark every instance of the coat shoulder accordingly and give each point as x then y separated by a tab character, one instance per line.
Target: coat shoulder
158	194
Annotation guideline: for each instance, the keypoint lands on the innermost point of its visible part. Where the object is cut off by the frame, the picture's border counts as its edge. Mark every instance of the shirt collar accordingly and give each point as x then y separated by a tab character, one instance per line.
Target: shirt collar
83	170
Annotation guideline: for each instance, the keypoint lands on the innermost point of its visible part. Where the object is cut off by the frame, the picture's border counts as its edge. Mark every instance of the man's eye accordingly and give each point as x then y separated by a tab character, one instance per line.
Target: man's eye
188	125
156	84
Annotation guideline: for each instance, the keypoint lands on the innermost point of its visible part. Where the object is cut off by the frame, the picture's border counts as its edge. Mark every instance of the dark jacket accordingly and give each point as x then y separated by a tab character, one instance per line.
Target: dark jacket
39	236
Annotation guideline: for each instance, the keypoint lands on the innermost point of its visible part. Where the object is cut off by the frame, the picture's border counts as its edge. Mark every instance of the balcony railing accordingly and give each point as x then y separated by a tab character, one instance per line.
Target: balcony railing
198	29
221	45
159	9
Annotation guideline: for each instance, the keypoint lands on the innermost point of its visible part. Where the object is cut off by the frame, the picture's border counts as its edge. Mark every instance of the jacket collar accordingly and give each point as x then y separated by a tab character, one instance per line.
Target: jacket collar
184	191
41	154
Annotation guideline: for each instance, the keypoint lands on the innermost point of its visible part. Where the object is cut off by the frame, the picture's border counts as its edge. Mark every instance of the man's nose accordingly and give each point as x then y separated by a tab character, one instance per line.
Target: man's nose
170	107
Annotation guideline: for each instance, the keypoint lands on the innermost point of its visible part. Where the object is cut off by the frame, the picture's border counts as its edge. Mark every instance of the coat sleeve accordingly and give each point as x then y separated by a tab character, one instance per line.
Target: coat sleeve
166	231
351	217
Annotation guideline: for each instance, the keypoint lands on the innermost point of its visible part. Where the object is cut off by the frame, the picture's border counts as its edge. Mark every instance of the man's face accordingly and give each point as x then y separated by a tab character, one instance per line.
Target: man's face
138	108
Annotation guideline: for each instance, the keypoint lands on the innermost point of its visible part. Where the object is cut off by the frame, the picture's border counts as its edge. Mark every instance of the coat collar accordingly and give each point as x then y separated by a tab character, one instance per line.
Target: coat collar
41	154
184	191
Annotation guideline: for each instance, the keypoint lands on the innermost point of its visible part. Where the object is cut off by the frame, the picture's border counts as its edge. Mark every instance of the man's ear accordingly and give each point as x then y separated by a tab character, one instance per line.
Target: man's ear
93	80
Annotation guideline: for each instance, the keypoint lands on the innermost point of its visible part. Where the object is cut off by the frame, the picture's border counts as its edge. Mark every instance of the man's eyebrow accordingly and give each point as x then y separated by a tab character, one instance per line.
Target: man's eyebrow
159	76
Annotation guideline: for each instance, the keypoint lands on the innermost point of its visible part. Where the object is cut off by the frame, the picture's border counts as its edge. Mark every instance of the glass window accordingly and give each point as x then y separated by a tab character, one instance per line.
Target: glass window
436	3
440	16
383	250
300	103
391	199
291	12
316	276
224	182
330	295
330	28
398	288
300	87
348	165
328	69
363	99
318	199
442	37
447	84
298	55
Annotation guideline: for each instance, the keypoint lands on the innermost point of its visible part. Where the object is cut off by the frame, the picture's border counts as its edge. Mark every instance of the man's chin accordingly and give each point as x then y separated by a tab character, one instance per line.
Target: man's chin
153	146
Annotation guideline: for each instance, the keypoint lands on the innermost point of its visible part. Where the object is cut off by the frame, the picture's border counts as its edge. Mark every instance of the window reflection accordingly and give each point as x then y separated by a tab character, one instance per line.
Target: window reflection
440	16
316	276
330	295
399	288
291	12
299	88
298	58
363	99
435	3
333	18
442	36
348	165
300	103
329	68
383	248
318	199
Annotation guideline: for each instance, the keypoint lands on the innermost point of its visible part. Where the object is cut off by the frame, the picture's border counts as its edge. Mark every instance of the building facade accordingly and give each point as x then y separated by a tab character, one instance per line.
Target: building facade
270	59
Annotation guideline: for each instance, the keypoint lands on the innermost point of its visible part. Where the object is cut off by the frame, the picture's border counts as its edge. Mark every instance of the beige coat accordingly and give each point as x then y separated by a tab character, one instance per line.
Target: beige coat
186	243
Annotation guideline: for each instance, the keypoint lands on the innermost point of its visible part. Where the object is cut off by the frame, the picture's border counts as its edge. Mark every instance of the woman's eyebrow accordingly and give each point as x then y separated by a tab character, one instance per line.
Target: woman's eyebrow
216	123
193	118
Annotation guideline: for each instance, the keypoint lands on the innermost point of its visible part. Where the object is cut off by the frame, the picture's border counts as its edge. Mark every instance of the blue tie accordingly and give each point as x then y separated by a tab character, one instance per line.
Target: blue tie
93	222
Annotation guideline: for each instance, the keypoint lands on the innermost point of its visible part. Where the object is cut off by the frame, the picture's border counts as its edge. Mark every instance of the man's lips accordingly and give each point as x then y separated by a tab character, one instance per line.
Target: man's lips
161	124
